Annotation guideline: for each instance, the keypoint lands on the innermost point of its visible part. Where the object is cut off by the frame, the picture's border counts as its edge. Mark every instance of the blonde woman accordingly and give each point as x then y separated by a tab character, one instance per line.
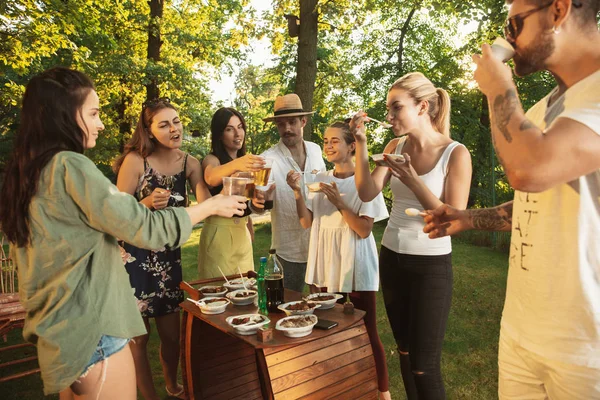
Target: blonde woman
416	272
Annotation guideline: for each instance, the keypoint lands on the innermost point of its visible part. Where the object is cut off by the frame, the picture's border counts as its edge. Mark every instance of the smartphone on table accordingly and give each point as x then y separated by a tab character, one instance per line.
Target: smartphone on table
325	324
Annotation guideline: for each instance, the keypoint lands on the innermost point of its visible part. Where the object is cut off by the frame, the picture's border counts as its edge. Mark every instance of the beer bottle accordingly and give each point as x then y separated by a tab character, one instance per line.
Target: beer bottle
260	283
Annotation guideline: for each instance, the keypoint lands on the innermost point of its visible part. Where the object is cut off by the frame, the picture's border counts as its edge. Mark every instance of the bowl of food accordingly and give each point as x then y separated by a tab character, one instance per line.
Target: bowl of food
301	307
379	159
236	284
212	305
297	326
213	291
326	300
247	324
242	297
314	187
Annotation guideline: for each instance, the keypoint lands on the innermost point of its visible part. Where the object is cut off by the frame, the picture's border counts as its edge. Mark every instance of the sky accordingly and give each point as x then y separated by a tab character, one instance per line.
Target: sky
223	90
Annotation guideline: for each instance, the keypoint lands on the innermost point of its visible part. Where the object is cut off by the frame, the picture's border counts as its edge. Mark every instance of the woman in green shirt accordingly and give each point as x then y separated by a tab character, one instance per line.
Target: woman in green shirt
62	217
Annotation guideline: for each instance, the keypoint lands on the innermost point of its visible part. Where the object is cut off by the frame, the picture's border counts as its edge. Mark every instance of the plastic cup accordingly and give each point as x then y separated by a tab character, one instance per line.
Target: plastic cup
502	50
233	186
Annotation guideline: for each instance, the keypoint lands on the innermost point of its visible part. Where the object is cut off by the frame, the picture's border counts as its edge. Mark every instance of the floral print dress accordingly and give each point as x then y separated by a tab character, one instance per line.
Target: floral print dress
155	275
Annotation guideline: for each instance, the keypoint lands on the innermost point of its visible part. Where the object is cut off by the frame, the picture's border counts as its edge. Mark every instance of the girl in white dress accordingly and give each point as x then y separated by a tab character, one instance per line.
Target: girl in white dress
342	255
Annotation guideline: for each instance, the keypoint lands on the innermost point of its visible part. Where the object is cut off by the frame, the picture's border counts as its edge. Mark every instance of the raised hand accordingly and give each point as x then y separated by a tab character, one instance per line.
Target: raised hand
333	194
293	180
159	198
357	126
445	221
228	206
249	163
402	169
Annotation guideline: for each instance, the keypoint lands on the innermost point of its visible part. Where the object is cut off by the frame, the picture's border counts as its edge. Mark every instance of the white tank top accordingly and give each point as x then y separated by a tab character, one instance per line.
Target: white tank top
404	234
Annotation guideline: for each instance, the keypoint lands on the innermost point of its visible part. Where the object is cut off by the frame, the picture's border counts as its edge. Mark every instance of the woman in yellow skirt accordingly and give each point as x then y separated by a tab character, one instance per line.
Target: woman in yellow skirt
226	243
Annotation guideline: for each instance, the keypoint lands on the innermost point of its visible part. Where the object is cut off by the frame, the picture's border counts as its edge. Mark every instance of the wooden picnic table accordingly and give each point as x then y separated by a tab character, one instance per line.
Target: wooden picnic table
217	363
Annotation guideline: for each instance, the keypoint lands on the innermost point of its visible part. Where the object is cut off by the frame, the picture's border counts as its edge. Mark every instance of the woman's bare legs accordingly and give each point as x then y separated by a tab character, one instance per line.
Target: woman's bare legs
168	331
112	378
143	372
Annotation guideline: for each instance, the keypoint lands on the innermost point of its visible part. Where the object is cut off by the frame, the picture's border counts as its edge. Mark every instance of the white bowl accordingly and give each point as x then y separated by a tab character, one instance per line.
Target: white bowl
380	160
284	307
217	305
247	329
325	304
217	294
314	187
236	284
300	331
242	301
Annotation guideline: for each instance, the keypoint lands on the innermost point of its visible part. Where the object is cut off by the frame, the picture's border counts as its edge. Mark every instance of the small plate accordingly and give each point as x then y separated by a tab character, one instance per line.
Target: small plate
325	304
216	305
215	294
247	329
380	160
284	307
236	284
242	301
300	331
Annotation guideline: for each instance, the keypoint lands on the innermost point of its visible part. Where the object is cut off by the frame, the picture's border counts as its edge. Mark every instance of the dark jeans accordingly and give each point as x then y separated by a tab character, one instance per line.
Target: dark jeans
417	292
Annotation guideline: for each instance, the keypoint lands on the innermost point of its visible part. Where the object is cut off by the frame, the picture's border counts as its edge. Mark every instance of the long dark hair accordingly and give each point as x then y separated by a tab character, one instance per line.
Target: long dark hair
48	125
140	141
217	127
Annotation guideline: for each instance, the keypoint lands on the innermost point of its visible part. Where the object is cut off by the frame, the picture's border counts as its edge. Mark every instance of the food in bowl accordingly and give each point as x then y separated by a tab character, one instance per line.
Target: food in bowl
297	325
297	322
247	324
236	284
326	300
380	161
314	187
212	305
299	307
213	291
242	297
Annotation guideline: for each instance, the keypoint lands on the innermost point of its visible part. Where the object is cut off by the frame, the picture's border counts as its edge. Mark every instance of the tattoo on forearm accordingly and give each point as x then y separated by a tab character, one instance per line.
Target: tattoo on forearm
492	219
527	124
504	108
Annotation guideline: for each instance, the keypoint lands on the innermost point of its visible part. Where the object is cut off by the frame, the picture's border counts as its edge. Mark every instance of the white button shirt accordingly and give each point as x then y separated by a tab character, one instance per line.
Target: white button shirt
288	237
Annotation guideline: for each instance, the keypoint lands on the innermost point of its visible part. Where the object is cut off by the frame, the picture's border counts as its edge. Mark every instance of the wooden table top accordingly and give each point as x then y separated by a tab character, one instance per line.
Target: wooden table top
279	339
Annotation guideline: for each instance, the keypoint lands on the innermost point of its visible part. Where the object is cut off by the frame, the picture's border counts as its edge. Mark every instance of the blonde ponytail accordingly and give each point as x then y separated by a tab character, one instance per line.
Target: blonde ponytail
421	89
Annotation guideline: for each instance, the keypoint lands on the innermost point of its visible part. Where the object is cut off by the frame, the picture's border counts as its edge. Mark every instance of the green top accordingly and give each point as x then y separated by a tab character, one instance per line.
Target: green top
72	281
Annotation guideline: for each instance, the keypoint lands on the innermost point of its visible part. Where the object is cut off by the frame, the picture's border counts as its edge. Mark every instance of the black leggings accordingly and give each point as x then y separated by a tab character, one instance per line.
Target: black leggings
417	292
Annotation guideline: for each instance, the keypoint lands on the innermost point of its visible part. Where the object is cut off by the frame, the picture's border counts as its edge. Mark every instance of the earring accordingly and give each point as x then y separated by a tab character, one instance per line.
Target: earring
555	30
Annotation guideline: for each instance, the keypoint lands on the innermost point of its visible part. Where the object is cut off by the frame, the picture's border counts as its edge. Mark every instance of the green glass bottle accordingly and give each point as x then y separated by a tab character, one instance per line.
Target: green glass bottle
262	292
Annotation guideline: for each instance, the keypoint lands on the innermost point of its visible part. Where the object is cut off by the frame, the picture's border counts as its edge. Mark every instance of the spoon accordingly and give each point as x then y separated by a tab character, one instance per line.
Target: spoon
384	124
177	197
413	212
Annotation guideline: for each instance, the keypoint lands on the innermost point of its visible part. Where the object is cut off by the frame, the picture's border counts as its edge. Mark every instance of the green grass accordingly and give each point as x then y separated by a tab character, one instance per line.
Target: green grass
469	361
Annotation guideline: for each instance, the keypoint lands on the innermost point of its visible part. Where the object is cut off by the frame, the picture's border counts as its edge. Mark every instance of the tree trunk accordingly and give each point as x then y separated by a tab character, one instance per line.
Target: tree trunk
154	44
306	72
403	32
124	124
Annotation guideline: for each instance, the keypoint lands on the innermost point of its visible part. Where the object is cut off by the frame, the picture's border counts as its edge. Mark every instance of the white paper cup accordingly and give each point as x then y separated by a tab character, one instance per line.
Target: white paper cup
502	50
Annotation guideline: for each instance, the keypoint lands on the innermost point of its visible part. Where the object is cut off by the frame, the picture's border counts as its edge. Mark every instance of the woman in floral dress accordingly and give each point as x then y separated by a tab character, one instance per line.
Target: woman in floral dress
155	170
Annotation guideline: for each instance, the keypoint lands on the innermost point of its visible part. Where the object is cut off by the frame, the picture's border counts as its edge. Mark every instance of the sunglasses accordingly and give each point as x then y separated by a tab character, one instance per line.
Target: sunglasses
155	102
514	24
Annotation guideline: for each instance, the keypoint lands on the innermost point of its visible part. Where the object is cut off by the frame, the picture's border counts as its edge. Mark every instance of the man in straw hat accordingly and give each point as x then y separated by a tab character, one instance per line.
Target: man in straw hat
550	330
291	153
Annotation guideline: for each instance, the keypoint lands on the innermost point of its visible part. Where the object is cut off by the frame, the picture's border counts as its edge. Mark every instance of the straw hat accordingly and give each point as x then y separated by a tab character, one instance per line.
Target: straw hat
288	105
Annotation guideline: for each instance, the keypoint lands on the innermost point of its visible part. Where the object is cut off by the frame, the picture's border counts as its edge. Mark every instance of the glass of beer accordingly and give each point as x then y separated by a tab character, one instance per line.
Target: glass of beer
249	192
265	193
261	178
234	186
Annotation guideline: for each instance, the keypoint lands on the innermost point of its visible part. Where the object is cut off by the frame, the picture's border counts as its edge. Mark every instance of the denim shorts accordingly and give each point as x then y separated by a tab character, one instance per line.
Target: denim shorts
107	346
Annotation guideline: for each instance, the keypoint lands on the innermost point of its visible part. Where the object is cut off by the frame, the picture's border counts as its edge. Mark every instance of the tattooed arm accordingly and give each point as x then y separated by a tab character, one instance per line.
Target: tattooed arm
446	220
534	160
